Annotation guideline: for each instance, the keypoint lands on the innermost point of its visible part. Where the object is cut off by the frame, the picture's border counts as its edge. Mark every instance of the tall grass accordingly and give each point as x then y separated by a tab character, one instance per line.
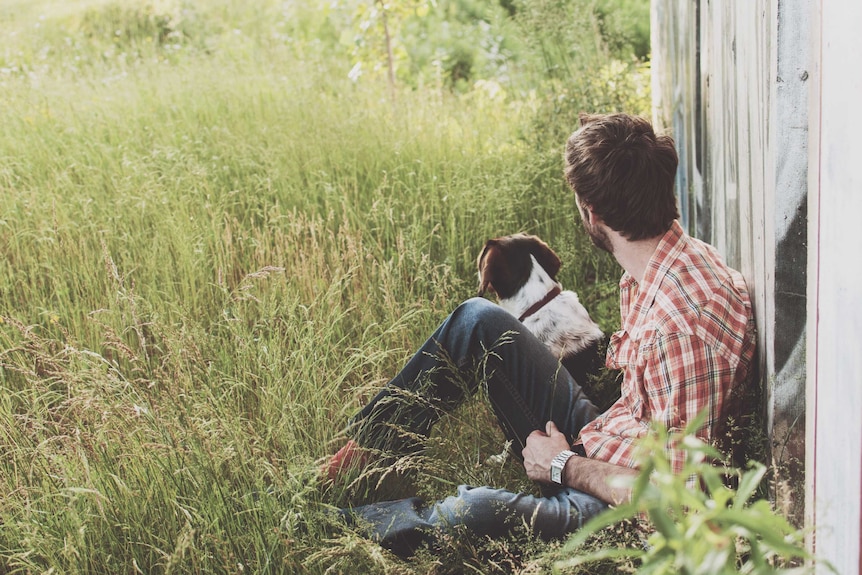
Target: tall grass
214	248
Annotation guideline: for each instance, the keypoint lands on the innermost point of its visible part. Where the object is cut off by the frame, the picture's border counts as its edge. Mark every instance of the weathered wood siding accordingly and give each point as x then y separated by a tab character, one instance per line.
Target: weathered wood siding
835	293
763	98
730	82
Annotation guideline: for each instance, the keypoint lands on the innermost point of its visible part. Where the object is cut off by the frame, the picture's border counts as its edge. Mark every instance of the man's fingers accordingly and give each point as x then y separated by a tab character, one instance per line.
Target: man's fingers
534	435
551	428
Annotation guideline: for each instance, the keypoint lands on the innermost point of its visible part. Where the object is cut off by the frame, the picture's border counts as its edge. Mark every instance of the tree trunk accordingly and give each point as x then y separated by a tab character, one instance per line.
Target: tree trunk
390	61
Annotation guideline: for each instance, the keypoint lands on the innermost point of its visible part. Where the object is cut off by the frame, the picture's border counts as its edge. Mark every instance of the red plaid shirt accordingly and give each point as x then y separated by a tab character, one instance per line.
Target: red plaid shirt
687	340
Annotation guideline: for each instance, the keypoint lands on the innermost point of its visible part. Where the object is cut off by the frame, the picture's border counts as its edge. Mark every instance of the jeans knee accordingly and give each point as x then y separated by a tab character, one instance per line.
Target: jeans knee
476	306
481	313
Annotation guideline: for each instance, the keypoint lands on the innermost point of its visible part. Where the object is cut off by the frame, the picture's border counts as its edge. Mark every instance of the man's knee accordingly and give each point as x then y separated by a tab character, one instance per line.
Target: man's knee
477	307
484	315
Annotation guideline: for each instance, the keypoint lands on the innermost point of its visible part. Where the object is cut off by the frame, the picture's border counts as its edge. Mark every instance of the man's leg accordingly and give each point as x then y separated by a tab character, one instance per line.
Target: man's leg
478	344
494	512
482	511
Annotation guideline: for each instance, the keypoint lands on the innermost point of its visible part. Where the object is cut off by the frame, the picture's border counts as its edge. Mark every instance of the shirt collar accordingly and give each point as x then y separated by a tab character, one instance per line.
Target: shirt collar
669	247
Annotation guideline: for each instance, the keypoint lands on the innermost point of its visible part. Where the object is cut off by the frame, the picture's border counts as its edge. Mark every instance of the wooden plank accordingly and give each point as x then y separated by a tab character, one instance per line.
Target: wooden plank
836	369
788	164
751	159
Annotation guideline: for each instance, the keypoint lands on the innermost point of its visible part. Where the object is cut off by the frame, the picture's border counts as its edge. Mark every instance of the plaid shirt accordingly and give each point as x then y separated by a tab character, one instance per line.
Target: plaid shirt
687	340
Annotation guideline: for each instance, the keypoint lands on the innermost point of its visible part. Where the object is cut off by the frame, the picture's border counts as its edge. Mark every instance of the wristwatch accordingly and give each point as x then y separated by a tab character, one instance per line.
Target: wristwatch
558	463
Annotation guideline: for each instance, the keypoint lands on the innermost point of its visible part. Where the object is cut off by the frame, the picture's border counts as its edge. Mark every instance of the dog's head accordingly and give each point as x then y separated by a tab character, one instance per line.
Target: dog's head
505	264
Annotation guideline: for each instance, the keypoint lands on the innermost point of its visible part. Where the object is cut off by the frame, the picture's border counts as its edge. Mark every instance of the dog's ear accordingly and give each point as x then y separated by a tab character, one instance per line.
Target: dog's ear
504	265
485	274
546	257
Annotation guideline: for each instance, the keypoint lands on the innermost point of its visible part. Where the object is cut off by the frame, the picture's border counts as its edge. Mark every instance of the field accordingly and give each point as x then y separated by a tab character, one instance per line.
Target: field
217	242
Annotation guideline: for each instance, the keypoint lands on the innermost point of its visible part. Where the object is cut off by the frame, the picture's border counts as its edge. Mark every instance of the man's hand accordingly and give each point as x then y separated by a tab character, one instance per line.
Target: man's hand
584	474
541	449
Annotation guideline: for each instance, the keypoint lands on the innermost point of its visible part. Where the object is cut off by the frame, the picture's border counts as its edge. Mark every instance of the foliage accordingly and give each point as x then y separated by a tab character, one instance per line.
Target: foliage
700	524
376	30
625	26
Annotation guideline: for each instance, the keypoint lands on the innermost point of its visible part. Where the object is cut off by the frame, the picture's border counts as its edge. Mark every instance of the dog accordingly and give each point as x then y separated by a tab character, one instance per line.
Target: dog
521	271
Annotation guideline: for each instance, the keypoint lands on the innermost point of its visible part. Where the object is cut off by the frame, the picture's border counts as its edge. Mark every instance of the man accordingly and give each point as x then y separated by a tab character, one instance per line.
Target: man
686	342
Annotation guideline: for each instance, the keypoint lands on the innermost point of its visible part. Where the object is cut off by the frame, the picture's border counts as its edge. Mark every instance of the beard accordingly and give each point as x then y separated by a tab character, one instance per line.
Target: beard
599	237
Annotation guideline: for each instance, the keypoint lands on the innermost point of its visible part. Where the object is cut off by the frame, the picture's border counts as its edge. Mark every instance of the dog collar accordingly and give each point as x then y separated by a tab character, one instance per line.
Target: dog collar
540	304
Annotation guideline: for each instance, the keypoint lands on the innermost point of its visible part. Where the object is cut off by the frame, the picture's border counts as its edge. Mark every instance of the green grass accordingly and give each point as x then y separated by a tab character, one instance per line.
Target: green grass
215	247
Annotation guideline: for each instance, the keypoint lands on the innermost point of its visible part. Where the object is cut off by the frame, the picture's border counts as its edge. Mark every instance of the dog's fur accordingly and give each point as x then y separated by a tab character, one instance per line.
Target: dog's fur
521	270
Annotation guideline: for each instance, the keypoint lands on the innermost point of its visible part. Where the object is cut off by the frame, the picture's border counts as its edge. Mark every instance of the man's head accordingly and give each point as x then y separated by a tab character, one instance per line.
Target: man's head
623	173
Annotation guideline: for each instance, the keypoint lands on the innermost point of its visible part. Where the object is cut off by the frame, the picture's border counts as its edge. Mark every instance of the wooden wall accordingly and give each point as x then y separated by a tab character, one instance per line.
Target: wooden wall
835	292
730	82
764	99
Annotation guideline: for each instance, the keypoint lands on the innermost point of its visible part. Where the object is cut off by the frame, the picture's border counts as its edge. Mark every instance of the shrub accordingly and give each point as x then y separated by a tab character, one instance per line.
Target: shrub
699	525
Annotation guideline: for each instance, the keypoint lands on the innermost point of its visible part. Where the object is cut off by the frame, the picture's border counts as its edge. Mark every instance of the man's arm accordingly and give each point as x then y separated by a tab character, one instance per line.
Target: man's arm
588	475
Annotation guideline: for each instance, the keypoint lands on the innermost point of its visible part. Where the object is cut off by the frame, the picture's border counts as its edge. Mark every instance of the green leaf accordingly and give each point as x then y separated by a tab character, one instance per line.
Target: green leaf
611	516
770	529
664	523
659	565
748	483
600	555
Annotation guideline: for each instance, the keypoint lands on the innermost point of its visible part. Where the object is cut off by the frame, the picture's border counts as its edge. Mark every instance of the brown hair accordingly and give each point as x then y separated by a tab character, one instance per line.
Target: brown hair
624	173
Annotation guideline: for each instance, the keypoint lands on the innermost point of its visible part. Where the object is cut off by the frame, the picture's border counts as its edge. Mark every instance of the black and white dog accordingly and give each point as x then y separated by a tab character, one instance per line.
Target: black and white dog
521	271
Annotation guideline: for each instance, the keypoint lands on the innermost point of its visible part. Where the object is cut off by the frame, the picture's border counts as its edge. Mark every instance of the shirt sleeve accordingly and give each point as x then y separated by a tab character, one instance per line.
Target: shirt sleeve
682	377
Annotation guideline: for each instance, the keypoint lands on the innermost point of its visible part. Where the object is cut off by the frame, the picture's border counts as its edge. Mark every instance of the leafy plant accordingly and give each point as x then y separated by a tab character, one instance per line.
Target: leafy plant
374	39
625	26
700	524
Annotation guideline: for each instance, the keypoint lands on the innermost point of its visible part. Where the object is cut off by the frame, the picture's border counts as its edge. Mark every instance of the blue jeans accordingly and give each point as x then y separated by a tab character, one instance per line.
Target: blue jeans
479	344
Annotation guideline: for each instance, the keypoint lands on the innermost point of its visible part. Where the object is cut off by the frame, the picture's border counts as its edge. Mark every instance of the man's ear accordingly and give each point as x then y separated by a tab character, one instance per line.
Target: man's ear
587	212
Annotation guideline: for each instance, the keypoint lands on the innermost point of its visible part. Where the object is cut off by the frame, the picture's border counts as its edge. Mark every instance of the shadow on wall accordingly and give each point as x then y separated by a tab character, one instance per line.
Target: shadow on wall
788	433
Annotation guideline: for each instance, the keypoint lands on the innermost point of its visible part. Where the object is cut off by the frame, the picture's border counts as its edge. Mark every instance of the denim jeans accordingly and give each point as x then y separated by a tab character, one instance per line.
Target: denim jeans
478	345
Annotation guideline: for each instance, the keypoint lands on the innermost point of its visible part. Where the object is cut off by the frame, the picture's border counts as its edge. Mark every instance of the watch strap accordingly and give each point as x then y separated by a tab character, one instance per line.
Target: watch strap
558	463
